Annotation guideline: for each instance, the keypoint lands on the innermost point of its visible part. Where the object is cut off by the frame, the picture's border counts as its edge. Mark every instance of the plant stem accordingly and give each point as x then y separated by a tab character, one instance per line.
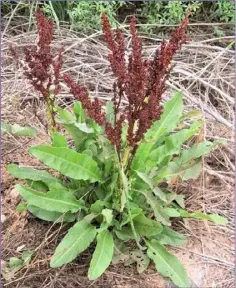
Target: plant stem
132	227
125	157
122	175
50	114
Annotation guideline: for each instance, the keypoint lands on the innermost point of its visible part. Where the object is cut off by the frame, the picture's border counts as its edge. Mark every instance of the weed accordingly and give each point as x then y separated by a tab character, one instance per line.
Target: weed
111	179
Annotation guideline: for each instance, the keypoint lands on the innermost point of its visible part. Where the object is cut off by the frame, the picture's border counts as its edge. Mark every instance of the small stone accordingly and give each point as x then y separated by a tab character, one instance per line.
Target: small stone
3	263
14	193
20	248
3	218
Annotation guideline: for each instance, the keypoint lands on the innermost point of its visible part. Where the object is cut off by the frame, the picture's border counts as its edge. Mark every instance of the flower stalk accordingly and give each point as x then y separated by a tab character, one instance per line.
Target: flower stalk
40	67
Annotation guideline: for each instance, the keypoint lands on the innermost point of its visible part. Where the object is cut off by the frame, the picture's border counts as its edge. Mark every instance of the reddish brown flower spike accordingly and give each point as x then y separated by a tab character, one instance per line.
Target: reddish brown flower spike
39	65
136	80
93	109
139	79
45	29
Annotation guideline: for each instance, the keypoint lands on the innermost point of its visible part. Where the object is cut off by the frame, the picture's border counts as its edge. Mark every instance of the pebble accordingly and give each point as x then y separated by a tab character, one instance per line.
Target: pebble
3	218
3	263
14	193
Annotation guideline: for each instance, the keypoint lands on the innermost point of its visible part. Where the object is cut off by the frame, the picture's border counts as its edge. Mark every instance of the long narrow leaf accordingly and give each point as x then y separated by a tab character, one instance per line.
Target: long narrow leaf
170	237
102	255
52	216
54	200
31	174
167	264
78	238
173	143
146	227
141	155
70	163
18	130
169	119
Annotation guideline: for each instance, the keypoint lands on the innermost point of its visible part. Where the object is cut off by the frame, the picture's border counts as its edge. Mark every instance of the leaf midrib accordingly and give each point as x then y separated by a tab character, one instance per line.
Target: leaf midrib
166	263
78	239
36	173
71	163
182	169
50	199
99	256
164	121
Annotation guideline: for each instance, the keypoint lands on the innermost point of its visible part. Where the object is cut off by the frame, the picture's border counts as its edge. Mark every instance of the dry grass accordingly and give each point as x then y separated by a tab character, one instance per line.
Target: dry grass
204	72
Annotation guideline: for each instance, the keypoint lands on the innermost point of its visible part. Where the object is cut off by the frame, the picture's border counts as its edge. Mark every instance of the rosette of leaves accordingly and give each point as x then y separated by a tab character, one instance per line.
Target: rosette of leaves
88	195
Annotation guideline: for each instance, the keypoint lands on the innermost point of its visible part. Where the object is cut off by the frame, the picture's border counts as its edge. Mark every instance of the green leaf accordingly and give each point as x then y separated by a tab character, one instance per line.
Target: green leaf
65	117
15	263
125	233
37	185
78	238
21	207
191	114
172	212
58	140
158	210
98	206
197	151
124	132
84	128
170	195
185	172
108	215
54	200
151	182
77	135
26	256
31	174
217	219
110	113
170	237
169	119
141	155
88	152
180	200
120	252
173	143
146	227
175	212
70	163
79	112
18	130
133	213
97	128
51	216
141	259
102	255
167	264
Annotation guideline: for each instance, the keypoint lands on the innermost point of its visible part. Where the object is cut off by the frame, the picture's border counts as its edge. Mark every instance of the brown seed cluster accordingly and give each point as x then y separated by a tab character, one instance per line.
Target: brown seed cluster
139	79
136	80
39	66
93	108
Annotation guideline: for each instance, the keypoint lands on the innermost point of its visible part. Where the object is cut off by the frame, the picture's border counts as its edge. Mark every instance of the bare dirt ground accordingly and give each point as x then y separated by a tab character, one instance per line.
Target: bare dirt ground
204	72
